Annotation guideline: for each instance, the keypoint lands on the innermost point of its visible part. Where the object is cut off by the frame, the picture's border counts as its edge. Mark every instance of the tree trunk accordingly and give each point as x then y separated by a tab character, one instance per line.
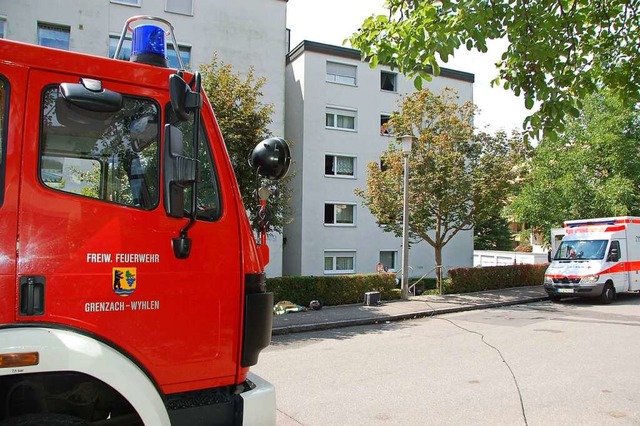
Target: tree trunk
438	268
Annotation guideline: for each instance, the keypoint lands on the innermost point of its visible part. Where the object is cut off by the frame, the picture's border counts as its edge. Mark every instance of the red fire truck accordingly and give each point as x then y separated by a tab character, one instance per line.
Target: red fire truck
132	288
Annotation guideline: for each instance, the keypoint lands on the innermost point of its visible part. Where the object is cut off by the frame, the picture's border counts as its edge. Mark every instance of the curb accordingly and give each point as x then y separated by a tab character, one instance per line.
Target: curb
301	328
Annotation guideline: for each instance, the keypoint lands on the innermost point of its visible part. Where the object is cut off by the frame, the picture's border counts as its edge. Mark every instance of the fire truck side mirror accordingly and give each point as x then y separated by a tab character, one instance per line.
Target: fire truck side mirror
183	99
271	158
91	96
179	171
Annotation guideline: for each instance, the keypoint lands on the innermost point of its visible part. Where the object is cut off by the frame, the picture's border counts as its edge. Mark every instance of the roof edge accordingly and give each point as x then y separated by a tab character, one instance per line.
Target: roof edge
354	54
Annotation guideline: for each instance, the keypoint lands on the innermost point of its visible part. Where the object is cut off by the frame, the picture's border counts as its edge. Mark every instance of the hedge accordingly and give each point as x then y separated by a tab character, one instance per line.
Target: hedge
468	280
332	290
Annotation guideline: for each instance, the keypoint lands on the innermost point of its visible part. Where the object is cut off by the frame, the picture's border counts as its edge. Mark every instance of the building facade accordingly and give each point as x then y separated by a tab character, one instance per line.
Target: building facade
249	33
336	115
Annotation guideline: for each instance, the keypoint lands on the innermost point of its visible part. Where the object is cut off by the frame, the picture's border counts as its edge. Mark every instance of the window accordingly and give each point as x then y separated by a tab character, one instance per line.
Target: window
209	202
172	59
4	103
339	165
111	157
127	2
385	128
125	50
614	252
339	262
184	7
388	259
3	27
344	119
388	81
51	35
339	214
341	73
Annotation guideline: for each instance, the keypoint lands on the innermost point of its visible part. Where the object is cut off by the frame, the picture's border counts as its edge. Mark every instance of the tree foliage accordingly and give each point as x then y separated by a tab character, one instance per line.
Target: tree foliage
559	51
492	234
244	121
456	177
591	170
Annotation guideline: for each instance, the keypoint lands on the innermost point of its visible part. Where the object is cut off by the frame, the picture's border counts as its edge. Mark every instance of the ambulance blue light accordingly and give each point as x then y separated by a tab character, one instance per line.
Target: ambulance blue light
147	45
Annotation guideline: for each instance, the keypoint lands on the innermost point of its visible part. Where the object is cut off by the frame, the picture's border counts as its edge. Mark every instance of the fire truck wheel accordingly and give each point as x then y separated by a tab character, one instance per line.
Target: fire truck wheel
44	420
608	294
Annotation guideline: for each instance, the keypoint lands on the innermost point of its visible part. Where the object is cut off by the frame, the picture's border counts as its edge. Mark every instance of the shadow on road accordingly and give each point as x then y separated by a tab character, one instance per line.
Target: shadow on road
338	333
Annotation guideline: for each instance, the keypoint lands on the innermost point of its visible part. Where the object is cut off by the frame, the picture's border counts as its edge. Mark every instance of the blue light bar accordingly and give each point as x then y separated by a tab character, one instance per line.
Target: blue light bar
147	45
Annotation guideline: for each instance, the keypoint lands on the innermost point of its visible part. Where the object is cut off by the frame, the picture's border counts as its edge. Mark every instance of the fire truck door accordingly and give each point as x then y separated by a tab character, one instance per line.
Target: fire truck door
97	243
12	96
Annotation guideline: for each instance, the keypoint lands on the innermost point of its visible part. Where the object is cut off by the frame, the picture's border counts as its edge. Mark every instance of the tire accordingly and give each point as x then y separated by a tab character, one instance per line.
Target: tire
608	294
555	298
44	420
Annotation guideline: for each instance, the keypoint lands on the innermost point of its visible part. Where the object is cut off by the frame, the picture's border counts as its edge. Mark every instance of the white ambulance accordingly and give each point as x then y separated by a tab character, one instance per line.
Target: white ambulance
596	258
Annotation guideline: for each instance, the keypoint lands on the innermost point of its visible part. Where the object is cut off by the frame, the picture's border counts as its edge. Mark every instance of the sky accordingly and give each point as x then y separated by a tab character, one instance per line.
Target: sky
332	21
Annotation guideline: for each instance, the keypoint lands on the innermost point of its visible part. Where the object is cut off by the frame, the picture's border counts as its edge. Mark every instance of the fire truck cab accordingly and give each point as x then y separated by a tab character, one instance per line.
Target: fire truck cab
132	288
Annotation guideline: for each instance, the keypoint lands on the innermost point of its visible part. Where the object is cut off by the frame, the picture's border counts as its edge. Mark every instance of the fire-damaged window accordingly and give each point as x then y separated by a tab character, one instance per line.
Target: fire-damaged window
113	157
4	102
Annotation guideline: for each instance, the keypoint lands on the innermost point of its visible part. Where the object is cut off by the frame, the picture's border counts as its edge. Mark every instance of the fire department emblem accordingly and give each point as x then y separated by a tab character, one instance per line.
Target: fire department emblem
124	281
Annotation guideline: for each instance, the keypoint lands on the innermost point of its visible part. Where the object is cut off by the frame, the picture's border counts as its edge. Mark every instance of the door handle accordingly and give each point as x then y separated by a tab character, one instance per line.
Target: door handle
32	295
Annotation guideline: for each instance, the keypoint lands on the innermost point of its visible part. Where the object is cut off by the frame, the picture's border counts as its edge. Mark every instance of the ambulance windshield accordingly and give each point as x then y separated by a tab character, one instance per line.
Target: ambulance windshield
581	250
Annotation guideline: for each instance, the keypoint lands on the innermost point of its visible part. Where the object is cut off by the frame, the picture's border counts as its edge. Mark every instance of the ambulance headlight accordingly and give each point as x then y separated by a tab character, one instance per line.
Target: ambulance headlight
548	279
147	45
590	279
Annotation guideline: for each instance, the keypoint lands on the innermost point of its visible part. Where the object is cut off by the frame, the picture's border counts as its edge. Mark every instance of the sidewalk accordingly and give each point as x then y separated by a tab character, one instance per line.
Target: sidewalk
416	307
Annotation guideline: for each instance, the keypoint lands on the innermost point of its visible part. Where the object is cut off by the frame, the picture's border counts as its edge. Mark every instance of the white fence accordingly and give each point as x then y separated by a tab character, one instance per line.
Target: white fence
498	258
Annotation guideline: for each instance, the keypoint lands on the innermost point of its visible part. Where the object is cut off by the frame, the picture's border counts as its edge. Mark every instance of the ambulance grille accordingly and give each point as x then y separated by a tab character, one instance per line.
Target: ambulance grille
566	280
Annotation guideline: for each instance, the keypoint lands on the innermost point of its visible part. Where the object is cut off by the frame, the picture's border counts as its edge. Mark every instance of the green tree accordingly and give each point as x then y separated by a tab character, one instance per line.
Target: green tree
244	121
492	234
559	51
591	170
456	177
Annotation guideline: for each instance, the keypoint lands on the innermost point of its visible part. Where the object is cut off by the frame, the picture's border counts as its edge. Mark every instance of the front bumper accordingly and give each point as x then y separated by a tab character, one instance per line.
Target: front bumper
573	290
259	403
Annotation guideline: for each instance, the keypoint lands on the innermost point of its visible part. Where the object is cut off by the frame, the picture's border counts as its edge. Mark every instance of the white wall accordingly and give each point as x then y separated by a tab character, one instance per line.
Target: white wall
502	258
366	238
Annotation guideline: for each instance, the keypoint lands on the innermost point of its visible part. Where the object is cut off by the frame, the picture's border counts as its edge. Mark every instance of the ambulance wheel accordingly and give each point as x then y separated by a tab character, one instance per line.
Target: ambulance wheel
608	294
555	298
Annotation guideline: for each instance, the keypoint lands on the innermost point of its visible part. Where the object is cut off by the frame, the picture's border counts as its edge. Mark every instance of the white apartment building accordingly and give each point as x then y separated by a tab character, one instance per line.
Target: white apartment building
335	116
335	108
247	33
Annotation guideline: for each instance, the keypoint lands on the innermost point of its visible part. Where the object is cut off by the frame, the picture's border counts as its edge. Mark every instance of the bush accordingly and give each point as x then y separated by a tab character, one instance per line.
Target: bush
332	290
468	280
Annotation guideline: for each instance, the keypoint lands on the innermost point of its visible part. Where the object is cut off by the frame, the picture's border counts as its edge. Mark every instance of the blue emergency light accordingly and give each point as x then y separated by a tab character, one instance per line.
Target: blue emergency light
147	45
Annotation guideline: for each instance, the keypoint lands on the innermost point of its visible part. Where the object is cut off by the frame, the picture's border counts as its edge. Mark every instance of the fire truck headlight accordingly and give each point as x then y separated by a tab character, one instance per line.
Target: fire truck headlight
590	279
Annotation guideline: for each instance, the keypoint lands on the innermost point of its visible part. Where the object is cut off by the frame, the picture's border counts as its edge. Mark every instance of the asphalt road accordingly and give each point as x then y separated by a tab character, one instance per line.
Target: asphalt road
573	363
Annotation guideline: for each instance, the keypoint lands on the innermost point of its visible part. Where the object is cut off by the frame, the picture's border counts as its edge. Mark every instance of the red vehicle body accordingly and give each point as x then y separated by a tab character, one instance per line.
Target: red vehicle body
113	307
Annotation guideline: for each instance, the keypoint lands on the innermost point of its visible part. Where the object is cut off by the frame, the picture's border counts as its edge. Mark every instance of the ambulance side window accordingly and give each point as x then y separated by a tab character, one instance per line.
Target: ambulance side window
4	103
111	157
614	252
209	202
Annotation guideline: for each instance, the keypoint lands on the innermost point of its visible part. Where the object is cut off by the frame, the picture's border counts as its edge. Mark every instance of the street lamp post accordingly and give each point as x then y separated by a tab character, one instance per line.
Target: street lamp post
406	150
